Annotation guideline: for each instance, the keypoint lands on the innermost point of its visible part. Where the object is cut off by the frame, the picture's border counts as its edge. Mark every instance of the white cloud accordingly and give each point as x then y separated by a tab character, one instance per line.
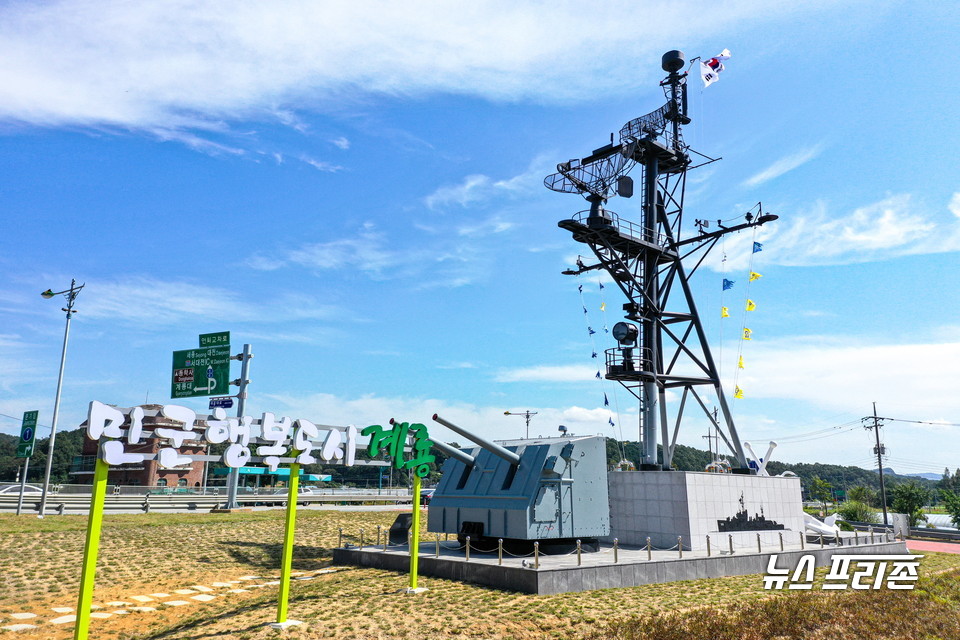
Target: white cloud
367	252
784	165
179	64
548	373
479	188
488	422
321	165
341	143
842	372
149	301
882	230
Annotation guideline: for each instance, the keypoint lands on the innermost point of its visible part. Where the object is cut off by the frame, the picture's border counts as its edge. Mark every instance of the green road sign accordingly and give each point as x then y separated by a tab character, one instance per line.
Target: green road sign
200	372
219	339
28	431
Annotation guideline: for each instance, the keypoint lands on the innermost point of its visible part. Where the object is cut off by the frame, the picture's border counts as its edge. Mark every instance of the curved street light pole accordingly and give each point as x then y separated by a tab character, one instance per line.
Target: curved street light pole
71	295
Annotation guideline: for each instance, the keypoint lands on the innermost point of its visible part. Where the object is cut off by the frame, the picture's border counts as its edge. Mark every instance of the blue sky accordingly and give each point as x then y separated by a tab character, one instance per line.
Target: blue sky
356	190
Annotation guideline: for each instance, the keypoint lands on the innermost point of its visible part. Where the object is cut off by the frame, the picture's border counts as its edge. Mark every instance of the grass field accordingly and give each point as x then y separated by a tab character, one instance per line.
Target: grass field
151	553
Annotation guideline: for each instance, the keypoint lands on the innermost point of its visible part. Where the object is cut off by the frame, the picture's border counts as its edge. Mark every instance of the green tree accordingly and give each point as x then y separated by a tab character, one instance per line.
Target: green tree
951	502
820	490
856	511
863	494
909	498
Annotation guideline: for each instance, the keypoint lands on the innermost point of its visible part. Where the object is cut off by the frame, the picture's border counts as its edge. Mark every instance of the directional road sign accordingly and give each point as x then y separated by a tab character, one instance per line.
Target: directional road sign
28	431
200	372
219	339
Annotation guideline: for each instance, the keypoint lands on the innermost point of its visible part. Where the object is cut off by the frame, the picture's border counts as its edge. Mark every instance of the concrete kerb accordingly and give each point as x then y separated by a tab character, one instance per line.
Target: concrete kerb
560	574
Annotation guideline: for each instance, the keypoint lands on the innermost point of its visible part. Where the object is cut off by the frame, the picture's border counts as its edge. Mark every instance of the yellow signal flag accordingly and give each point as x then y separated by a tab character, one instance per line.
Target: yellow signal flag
747	333
724	312
751	305
737	392
740	363
603	306
755	276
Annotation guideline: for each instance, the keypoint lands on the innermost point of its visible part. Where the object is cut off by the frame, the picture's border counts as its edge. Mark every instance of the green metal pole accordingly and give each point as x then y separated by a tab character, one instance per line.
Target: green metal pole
415	538
90	550
286	559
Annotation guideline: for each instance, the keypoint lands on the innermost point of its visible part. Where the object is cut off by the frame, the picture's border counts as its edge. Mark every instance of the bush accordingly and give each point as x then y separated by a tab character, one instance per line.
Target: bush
856	511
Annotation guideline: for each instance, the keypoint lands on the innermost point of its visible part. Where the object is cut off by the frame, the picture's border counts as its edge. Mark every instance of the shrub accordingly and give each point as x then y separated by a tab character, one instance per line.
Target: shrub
856	511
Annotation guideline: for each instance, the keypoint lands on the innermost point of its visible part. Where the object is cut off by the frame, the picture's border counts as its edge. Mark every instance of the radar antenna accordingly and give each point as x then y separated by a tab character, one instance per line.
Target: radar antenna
669	349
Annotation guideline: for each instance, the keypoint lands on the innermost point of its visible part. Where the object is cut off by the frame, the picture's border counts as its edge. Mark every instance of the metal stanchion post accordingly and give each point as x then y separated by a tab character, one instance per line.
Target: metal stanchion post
536	555
438	545
468	549
500	551
616	549
379	527
856	537
821	541
781	541
648	548
340	538
730	538
680	545
708	546
759	549
361	539
579	556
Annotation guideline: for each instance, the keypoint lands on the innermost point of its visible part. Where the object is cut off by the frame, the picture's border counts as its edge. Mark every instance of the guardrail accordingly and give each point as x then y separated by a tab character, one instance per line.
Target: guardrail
74	503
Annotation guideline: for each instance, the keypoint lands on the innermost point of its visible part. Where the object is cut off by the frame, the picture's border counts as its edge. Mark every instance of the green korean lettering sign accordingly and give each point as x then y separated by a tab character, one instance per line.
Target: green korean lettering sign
200	372
28	431
219	339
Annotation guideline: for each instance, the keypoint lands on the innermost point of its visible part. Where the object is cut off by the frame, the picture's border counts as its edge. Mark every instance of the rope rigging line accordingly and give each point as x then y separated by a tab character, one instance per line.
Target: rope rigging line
594	355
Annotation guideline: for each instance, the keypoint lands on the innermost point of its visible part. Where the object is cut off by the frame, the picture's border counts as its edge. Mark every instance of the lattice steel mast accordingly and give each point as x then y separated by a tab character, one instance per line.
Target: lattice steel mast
669	349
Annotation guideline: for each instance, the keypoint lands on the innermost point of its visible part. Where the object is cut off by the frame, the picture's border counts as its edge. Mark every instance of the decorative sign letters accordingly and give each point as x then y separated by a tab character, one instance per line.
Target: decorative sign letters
278	441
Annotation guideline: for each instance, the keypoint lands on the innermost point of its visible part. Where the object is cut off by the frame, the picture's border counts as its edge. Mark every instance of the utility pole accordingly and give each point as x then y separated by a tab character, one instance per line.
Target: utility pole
71	296
879	449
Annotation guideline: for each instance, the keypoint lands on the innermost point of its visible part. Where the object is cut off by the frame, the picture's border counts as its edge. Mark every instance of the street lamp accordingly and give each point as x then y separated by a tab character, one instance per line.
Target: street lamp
526	414
71	295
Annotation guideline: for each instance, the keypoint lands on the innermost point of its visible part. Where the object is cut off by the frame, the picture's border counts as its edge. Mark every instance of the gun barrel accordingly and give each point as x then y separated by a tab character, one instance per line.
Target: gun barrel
453	452
495	449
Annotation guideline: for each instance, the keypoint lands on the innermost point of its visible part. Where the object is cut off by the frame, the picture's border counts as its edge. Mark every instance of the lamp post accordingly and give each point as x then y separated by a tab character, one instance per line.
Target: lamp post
71	295
526	414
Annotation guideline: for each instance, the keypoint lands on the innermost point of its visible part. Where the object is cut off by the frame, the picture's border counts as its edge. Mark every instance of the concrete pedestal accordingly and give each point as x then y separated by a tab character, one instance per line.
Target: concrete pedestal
665	505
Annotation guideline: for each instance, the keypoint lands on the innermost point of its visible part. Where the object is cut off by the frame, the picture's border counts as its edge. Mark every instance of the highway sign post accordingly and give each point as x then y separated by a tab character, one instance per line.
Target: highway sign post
200	372
28	431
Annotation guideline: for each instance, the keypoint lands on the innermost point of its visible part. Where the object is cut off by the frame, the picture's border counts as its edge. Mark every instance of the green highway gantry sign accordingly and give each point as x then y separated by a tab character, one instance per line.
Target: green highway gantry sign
28	431
218	339
200	372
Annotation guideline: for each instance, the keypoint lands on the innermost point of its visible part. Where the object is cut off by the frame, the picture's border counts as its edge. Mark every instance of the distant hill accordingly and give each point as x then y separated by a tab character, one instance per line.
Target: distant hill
936	477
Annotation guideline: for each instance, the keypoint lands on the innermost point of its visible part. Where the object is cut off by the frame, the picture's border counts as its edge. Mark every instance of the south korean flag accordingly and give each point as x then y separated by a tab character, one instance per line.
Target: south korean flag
710	69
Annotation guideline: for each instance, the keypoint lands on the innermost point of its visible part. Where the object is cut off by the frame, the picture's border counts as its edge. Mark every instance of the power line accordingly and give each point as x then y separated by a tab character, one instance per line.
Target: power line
942	424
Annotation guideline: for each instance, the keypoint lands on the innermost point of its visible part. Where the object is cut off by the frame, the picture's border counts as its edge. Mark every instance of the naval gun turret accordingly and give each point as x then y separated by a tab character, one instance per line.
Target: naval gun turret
537	489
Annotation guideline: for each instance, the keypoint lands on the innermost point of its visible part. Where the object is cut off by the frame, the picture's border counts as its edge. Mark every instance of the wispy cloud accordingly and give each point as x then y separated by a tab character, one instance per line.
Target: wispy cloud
192	65
479	188
548	373
878	231
784	165
150	301
341	143
321	165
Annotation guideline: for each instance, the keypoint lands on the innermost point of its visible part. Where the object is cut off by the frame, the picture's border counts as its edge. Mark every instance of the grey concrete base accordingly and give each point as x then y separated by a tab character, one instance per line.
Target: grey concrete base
561	574
280	626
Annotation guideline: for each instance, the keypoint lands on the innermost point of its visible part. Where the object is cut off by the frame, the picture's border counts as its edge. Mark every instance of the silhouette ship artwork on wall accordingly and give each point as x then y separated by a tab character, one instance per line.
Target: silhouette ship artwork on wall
743	522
